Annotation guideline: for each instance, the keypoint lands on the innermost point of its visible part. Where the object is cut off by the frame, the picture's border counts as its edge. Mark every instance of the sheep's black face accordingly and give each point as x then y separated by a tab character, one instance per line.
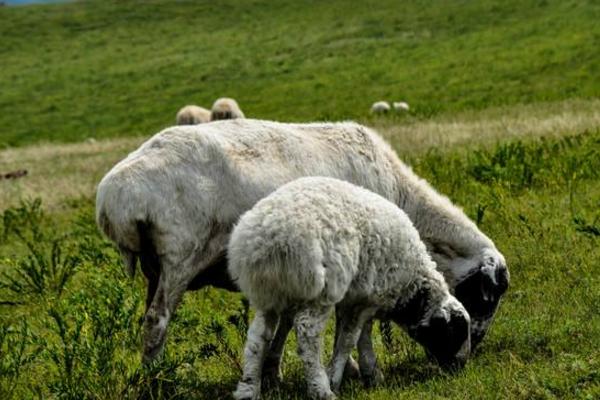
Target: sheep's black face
479	282
480	293
445	332
445	337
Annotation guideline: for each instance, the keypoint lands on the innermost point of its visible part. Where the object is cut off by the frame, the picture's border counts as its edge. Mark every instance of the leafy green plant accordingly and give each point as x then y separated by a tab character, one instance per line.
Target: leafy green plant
47	265
94	327
18	348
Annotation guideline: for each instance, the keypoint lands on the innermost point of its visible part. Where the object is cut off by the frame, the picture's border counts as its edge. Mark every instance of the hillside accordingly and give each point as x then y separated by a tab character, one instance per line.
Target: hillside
119	68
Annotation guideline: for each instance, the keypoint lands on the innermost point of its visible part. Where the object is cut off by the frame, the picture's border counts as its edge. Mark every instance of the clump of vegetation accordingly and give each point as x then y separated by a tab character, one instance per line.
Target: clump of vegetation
19	347
46	268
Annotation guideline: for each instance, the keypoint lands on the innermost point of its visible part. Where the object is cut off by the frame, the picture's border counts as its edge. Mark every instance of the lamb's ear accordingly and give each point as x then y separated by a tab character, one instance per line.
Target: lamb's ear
410	312
480	292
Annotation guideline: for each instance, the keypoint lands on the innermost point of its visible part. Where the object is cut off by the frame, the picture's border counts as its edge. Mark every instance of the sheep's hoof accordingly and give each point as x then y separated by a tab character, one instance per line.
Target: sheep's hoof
375	378
271	378
246	391
152	353
323	395
351	371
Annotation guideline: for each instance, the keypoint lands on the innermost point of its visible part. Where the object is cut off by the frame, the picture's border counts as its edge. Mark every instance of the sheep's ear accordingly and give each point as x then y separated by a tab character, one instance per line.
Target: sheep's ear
410	312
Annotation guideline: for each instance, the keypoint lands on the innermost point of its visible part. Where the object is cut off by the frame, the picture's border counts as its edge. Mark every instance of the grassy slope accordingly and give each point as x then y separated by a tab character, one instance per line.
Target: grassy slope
106	68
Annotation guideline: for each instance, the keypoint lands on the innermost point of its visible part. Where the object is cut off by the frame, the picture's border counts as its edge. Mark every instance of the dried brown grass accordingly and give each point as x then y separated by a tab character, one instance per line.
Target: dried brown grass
492	126
58	172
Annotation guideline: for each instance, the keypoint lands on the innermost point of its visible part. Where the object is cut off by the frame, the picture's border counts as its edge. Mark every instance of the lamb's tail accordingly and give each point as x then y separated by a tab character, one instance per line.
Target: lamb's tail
272	276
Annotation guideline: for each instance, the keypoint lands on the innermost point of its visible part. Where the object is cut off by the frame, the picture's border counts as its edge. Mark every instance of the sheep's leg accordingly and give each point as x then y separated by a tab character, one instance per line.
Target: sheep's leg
309	324
169	292
350	325
260	334
176	274
272	366
367	360
351	370
156	321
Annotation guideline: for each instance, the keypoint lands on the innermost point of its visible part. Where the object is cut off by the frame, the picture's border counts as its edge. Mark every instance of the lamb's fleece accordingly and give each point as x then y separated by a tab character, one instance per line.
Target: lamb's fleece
322	239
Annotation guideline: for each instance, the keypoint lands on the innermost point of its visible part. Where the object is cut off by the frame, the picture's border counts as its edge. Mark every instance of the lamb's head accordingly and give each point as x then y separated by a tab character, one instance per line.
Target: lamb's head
438	321
478	282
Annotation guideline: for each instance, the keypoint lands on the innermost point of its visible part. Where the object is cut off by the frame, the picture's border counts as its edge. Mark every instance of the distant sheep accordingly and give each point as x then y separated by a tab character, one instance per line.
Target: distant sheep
380	107
192	115
400	106
226	108
319	243
172	204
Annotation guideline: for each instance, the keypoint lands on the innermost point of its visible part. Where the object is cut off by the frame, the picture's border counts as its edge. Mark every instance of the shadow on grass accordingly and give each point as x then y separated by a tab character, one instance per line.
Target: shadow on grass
411	371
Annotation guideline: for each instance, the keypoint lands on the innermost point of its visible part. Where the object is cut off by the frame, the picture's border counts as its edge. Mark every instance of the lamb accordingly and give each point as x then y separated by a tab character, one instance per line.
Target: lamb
192	115
380	107
316	243
172	204
226	108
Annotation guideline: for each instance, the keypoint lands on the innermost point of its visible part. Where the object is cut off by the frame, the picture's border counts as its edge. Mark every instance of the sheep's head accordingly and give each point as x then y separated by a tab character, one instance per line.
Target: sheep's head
478	282
480	291
442	328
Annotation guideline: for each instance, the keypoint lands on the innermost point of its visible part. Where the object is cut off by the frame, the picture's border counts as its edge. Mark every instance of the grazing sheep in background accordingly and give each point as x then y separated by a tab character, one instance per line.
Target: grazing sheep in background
380	107
226	108
192	115
400	106
316	243
173	202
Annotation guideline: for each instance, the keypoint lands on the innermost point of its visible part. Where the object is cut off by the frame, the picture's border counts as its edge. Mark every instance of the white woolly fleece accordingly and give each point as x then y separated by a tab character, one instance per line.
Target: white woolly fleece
325	240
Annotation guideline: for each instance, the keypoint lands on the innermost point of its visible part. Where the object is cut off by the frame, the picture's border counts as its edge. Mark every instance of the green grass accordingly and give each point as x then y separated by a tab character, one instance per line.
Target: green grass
122	68
538	199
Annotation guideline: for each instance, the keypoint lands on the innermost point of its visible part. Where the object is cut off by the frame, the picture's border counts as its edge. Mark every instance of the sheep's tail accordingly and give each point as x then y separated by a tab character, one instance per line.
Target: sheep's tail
129	230
273	278
125	237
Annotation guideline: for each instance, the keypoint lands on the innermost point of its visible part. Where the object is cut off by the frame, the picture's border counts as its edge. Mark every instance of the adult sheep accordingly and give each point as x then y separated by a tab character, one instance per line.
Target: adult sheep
226	108
173	202
316	243
192	115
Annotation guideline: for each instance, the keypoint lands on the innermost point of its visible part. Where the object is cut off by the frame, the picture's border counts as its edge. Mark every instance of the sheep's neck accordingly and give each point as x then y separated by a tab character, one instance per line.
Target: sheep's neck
442	226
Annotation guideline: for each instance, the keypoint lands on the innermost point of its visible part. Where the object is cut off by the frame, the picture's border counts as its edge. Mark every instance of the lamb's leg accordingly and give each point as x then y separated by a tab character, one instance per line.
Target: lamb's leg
367	360
309	324
272	365
351	370
260	334
350	325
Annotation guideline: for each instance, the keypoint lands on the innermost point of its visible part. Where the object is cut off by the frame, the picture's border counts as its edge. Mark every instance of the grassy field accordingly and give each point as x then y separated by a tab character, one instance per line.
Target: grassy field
119	68
505	120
